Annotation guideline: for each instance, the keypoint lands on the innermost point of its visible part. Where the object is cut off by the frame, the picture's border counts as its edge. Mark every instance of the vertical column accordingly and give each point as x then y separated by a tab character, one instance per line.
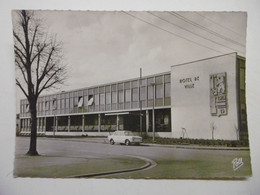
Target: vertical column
28	125
45	125
147	121
99	122
163	90
83	123
37	122
42	124
117	122
53	125
20	125
56	124
68	123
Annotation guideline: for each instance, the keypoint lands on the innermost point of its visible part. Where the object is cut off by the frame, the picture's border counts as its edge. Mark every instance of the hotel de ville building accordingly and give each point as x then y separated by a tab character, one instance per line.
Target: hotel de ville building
189	101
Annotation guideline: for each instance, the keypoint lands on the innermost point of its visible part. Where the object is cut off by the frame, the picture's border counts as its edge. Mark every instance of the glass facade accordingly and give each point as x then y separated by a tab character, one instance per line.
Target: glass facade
109	97
85	110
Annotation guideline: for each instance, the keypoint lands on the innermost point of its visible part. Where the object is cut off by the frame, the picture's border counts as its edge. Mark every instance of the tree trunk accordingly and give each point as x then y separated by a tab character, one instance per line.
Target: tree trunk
33	141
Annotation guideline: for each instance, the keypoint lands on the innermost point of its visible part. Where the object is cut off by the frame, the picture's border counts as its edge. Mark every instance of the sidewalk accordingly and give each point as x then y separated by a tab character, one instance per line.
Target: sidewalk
197	147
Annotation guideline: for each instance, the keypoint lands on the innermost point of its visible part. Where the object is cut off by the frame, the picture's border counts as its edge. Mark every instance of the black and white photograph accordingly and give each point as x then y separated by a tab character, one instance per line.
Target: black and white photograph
129	97
133	95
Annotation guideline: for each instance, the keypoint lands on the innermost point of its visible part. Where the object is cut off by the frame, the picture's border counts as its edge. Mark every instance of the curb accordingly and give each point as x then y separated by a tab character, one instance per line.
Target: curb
150	164
197	147
172	146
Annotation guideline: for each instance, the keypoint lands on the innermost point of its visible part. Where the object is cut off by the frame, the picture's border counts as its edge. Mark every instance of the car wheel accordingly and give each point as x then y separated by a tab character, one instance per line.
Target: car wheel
112	142
127	142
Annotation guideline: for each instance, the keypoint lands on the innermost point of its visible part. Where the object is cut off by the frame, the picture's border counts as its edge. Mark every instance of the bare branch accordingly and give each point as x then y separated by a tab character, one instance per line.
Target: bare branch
18	50
37	69
46	66
22	70
33	39
19	40
20	86
17	54
46	85
38	53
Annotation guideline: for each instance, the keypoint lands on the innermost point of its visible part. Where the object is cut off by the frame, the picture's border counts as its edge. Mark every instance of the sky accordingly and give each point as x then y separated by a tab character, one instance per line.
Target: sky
109	46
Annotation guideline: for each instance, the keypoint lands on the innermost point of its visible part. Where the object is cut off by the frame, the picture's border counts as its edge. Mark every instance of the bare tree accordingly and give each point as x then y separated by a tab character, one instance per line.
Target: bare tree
237	131
38	61
213	128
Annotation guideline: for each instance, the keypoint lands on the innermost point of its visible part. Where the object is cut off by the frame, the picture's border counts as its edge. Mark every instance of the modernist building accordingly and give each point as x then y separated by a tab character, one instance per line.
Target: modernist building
202	99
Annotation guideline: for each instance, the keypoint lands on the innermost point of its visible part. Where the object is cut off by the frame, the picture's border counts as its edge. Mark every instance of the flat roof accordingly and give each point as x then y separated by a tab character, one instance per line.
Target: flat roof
207	59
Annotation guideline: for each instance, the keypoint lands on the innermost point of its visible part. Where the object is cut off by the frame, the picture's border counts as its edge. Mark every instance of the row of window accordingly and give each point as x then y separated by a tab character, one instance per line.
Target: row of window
114	97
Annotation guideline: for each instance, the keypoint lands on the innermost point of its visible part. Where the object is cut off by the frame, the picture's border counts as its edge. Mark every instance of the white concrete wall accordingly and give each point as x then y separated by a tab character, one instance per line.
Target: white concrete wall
191	106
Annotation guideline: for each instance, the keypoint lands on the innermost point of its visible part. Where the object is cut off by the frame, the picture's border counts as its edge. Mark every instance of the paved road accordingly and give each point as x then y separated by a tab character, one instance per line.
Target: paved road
97	155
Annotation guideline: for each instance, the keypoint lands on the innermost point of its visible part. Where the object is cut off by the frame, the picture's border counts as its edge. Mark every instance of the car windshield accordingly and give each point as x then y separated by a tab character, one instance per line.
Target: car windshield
128	133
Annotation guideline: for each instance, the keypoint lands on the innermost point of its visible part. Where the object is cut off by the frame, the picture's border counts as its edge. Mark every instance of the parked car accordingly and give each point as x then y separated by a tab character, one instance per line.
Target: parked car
124	137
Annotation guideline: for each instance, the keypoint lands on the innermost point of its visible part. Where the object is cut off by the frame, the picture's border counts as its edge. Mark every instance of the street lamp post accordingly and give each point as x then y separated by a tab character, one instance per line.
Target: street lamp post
140	102
153	84
54	119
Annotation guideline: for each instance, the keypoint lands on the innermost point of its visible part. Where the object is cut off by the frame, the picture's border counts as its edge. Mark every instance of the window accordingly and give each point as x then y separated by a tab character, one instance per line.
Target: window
150	81
80	93
113	87
75	101
90	91
167	90
58	104
114	97
71	103
150	92
127	85
128	95
62	104
27	108
40	106
96	90
144	82
85	100
159	91
167	78
96	99
102	99
47	105
108	88
135	84
67	103
101	89
80	102
120	86
108	98
143	95
159	79
54	104
136	94
90	100
120	96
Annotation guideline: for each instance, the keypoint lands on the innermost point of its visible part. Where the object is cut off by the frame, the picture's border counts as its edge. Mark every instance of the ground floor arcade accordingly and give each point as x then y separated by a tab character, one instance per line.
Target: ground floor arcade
100	123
